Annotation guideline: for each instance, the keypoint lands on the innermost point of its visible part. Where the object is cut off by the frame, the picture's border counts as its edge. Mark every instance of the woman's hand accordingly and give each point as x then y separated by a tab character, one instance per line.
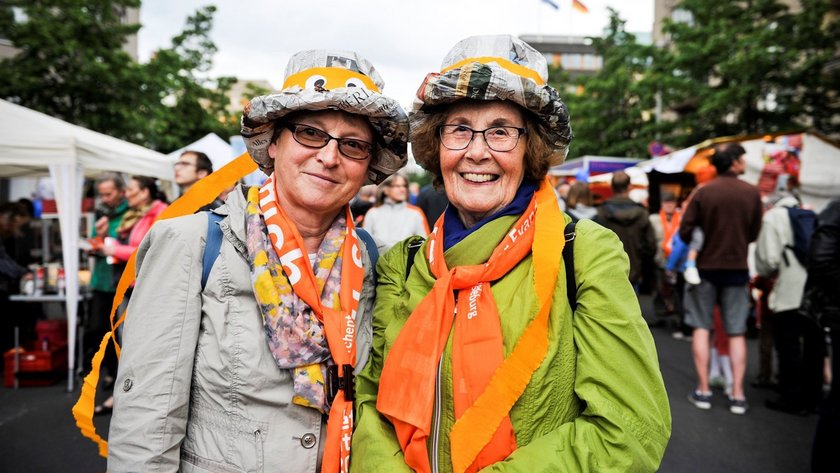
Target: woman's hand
109	249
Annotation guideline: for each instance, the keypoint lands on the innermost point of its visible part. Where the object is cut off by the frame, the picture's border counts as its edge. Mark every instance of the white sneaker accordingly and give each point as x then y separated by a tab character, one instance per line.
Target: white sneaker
691	275
738	406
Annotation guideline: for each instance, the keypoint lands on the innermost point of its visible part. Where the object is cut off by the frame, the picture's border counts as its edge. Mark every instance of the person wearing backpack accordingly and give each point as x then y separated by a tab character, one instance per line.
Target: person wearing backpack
824	300
798	340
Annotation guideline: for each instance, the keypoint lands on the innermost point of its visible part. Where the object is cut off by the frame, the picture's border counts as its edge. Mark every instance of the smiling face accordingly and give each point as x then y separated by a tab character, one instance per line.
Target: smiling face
478	180
319	181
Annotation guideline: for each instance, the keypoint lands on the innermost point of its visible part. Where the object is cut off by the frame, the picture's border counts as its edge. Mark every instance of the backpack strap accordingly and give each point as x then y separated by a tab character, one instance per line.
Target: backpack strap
212	247
370	244
413	247
569	262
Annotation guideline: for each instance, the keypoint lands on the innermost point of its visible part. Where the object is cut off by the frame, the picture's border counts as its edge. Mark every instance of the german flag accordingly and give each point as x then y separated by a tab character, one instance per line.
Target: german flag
579	6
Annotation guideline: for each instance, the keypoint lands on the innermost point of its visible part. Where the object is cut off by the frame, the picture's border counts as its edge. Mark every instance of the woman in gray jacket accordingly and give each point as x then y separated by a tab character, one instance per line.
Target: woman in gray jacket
253	371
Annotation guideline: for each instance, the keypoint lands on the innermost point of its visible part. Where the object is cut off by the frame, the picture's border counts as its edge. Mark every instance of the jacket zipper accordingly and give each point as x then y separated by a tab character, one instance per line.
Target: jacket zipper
437	409
436	421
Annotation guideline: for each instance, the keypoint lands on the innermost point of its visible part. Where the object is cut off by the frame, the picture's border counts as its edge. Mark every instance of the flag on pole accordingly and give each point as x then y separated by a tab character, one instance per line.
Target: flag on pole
552	3
579	6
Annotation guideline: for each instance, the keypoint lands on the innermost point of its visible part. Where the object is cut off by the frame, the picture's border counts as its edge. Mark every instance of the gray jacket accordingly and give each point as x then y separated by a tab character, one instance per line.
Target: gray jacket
772	256
198	389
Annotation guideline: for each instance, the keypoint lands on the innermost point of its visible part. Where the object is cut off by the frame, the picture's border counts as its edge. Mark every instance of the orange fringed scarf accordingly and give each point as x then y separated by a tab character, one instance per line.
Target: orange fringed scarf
486	385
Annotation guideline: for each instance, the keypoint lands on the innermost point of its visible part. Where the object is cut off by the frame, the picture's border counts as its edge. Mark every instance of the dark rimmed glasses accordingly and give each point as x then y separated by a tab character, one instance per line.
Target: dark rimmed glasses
312	137
498	138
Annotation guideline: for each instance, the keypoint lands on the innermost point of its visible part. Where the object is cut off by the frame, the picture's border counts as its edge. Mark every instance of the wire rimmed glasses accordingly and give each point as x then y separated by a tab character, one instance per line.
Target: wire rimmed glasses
498	138
312	137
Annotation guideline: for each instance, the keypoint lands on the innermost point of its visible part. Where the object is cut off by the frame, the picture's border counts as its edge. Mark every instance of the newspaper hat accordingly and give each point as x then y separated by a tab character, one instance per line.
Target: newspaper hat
496	67
331	80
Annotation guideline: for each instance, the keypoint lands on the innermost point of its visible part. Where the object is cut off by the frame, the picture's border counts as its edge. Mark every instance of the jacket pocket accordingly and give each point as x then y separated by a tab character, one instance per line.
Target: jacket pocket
223	442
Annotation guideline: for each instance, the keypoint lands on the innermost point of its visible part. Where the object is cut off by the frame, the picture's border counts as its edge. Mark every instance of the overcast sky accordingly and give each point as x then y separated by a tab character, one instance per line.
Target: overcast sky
404	39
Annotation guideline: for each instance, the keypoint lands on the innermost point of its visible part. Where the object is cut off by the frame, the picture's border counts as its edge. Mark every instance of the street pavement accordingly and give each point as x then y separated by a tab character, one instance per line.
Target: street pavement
38	433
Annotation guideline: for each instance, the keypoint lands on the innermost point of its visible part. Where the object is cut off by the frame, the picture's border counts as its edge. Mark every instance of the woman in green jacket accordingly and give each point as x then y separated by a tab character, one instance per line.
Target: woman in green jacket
479	360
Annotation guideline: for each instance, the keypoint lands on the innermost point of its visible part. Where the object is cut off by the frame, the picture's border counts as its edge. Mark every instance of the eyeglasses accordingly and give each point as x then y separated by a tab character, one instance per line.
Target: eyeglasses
498	138
181	164
312	137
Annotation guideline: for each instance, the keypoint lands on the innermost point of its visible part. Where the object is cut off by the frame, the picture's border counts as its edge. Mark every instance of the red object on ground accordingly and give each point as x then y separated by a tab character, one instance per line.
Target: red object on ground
55	331
37	367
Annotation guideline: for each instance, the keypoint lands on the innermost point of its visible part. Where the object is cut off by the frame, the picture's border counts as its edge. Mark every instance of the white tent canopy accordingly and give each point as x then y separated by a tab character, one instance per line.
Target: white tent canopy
218	150
33	144
819	174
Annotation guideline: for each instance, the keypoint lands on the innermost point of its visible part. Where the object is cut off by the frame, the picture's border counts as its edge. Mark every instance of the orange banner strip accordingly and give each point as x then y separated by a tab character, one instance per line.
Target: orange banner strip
474	429
200	194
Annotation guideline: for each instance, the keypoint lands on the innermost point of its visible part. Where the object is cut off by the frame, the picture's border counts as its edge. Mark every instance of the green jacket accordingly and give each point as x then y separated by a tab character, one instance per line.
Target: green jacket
102	278
597	402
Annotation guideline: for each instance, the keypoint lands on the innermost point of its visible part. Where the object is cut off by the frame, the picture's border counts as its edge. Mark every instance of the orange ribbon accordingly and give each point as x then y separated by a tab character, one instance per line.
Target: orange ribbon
200	194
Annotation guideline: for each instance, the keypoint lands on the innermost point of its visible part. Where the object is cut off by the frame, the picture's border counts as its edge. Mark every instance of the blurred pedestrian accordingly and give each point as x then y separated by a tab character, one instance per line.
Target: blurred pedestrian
432	201
799	340
579	202
823	304
394	219
729	211
12	216
630	222
413	192
110	189
191	167
365	200
145	203
665	225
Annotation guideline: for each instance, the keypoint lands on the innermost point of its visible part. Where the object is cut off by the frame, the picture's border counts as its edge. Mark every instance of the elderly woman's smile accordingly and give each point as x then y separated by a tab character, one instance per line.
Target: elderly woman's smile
478	180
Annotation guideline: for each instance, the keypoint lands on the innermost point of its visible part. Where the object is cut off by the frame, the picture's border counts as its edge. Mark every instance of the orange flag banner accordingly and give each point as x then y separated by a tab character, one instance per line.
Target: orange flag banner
579	6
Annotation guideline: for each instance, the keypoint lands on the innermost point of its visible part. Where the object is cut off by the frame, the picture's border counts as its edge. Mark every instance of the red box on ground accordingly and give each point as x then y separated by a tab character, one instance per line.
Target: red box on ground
37	367
54	331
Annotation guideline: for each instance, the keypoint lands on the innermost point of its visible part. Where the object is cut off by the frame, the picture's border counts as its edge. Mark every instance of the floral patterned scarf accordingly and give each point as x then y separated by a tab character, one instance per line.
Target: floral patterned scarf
296	338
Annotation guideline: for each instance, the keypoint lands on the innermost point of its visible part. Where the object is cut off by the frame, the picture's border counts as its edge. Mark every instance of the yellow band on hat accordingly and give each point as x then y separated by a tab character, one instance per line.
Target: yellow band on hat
333	78
511	66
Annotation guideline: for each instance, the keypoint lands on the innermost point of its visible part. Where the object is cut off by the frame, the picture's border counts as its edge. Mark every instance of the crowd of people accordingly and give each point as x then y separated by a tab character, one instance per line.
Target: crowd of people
714	285
486	321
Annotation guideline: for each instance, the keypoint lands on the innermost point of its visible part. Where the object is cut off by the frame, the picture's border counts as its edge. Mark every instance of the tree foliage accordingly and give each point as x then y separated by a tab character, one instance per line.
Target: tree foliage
612	115
71	65
747	67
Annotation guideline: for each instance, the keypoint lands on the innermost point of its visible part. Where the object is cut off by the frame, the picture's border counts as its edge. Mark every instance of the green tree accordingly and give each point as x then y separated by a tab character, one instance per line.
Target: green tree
747	67
71	65
180	103
815	92
612	113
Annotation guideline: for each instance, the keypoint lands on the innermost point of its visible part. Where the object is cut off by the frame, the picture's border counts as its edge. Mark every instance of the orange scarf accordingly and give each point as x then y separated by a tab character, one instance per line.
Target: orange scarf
668	230
339	325
485	384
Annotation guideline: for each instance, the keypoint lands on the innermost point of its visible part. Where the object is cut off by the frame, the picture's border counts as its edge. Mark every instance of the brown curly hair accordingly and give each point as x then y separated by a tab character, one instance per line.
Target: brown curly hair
425	144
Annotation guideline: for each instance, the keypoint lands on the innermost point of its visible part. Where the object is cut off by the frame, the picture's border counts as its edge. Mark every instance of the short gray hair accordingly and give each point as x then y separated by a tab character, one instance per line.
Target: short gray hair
114	177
